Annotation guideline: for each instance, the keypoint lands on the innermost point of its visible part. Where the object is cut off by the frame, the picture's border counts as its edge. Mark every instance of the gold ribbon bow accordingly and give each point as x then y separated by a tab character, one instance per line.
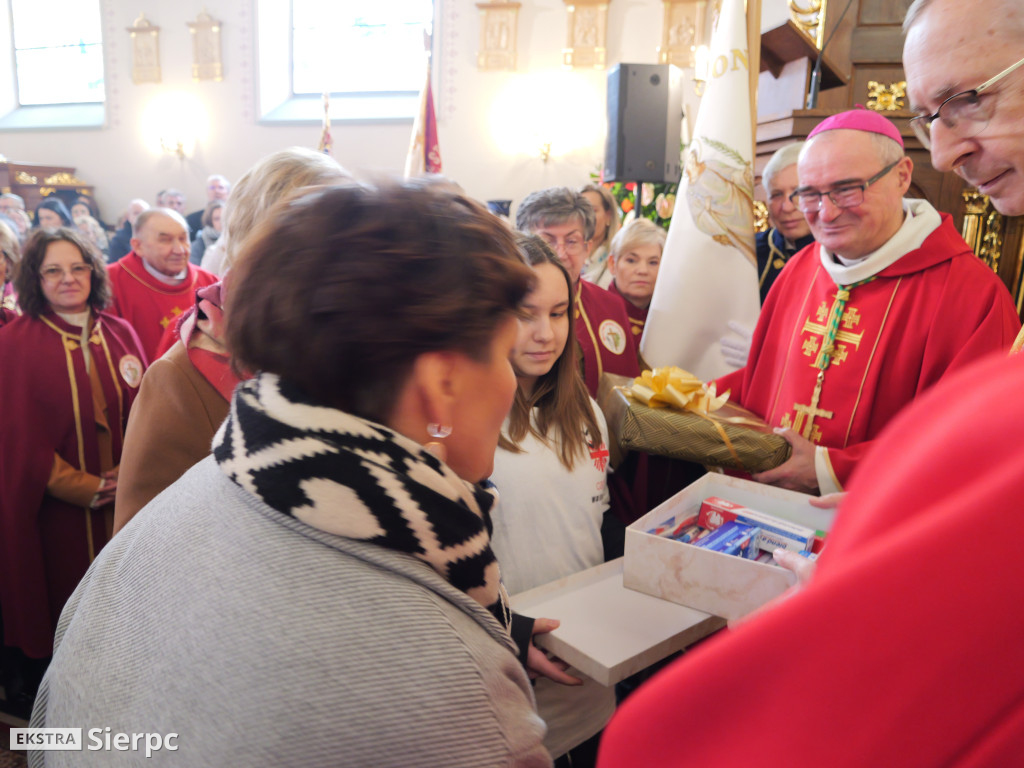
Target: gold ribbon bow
672	387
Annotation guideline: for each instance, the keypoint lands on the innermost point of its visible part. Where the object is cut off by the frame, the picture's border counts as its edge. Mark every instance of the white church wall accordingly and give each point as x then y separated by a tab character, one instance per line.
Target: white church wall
491	124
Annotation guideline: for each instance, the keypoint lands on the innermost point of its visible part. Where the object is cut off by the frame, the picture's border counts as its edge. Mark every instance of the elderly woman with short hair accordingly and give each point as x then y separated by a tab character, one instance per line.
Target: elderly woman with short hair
321	591
634	262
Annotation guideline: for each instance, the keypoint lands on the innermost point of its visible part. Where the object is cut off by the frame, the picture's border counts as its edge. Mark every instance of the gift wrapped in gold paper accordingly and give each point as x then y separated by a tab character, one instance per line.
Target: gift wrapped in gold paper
670	412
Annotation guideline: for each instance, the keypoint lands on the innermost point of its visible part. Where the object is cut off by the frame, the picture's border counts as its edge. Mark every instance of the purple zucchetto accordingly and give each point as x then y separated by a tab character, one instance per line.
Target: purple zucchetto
859	120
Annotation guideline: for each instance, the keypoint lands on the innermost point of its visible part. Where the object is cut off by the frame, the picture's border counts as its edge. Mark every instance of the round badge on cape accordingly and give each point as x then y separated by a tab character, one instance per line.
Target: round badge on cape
131	370
612	336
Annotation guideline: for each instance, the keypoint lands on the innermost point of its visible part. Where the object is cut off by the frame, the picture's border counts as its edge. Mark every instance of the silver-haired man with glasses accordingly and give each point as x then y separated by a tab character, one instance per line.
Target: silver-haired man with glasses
888	301
965	77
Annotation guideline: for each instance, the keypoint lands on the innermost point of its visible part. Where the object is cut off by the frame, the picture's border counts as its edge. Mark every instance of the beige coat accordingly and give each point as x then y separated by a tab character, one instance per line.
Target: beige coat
170	428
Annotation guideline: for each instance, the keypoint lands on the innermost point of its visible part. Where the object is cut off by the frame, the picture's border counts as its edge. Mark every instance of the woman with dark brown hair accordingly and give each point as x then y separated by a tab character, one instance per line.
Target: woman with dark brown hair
321	590
550	470
71	372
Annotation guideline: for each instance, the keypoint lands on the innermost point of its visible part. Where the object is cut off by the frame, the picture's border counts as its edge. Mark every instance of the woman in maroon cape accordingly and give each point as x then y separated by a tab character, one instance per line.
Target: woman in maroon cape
71	373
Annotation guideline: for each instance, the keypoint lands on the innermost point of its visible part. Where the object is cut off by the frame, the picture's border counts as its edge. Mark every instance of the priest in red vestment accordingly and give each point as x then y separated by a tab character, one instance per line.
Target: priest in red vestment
565	221
905	646
633	260
887	301
155	284
71	374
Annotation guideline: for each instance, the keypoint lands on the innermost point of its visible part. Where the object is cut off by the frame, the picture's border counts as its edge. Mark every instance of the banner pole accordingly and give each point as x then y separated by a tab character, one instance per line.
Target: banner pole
754	64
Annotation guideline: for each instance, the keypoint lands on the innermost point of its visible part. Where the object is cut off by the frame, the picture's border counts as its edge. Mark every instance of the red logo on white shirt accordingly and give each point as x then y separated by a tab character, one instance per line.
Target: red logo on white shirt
600	456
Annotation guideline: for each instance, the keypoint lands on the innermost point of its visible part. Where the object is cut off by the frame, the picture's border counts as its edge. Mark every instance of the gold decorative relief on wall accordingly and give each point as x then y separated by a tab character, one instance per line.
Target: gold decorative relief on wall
498	23
63	178
23	177
810	18
207	63
588	33
682	31
145	51
982	228
887	97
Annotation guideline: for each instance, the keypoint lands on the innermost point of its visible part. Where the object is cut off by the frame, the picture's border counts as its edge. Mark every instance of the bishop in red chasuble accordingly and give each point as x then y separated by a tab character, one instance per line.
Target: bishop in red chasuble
887	301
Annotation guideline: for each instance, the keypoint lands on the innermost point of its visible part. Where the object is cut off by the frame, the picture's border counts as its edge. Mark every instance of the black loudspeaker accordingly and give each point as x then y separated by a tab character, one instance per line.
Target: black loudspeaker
645	117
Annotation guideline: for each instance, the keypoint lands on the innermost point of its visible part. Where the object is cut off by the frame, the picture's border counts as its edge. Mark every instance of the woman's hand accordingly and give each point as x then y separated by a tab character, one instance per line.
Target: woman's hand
802	566
539	664
107	490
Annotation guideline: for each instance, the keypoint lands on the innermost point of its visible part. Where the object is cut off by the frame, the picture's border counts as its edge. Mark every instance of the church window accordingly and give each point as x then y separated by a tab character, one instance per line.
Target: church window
58	51
368	56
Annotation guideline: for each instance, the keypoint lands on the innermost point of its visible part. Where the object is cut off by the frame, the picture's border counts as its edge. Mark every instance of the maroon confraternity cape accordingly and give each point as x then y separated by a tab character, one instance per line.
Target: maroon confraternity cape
637	316
934	310
602	329
151	306
905	648
46	545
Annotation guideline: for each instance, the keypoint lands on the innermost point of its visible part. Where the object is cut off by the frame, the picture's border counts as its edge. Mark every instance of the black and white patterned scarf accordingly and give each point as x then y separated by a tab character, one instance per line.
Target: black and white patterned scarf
358	479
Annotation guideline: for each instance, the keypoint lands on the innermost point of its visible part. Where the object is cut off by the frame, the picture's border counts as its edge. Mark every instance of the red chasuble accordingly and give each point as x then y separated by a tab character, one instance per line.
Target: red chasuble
149	305
933	311
905	648
637	316
46	545
602	329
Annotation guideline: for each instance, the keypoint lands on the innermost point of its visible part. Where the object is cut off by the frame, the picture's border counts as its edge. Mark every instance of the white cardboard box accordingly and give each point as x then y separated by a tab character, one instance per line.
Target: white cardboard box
609	632
722	585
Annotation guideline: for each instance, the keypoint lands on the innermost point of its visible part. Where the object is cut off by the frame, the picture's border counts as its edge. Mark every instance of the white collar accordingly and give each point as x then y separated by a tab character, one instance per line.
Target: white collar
164	278
921	220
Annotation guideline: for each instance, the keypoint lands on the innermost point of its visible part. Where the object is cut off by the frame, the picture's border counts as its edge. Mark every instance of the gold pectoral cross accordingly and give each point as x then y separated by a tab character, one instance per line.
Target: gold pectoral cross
805	414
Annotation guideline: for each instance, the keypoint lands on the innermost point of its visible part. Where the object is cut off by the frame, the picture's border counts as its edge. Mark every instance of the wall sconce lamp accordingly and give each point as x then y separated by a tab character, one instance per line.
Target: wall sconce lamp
174	124
545	151
173	147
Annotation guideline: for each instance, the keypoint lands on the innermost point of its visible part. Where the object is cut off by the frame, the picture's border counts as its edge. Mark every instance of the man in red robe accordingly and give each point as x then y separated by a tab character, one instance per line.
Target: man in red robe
565	221
904	648
869	665
887	302
155	284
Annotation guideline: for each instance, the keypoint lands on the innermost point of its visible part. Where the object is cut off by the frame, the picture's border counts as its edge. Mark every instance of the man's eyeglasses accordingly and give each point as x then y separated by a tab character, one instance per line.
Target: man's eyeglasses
964	114
54	273
572	245
845	196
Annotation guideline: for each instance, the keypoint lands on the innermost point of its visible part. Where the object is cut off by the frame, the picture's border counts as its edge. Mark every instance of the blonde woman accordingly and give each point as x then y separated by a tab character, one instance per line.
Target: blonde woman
634	262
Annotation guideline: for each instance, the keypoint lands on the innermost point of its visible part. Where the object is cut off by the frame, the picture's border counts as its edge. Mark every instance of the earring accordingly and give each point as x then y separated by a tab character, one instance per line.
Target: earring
440	431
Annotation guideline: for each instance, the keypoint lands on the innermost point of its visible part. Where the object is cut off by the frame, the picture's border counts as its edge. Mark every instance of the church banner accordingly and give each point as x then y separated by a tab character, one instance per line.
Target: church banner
708	273
424	150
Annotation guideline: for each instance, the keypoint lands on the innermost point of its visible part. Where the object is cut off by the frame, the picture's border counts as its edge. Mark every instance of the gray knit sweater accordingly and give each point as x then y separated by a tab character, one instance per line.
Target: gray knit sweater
261	641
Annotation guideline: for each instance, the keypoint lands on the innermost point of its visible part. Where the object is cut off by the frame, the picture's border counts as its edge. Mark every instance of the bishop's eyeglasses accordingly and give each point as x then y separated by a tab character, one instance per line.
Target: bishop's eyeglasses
844	196
964	114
